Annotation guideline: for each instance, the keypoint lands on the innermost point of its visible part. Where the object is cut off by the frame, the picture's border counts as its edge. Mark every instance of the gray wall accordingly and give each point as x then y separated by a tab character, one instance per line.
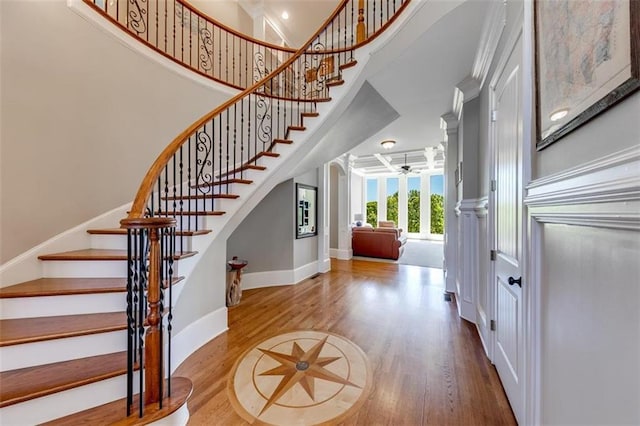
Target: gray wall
470	148
333	206
617	128
264	238
82	117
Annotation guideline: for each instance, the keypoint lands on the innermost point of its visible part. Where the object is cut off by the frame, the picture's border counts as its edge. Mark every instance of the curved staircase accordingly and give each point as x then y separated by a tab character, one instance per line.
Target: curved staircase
64	337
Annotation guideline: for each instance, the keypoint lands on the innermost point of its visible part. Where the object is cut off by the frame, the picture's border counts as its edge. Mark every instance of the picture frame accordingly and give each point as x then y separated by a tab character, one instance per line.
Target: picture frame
306	211
581	74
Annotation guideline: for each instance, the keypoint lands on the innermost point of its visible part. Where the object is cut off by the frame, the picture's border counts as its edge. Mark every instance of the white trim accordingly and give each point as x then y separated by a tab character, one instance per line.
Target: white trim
324	266
342	254
197	334
465	91
490	37
279	278
468	267
305	271
86	12
601	193
608	179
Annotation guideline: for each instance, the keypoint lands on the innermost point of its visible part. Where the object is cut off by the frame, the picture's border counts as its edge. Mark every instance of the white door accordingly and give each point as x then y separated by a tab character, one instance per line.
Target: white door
508	354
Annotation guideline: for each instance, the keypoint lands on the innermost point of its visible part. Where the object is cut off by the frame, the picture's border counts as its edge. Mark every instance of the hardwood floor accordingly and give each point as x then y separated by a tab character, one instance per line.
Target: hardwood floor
428	364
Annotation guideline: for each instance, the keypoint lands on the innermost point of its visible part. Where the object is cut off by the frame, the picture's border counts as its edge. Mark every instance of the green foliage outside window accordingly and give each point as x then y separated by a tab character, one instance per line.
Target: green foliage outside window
392	208
437	214
437	211
414	211
372	213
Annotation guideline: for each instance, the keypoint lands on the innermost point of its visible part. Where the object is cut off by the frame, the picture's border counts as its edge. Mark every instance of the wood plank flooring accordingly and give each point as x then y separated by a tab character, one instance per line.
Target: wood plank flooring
428	365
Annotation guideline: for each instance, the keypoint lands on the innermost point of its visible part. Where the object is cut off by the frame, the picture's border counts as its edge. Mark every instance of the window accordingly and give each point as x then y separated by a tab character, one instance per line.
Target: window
372	202
413	201
392	199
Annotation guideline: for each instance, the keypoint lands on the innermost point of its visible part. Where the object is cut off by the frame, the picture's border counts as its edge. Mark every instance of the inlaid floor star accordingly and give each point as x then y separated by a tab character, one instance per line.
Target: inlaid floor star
332	373
301	367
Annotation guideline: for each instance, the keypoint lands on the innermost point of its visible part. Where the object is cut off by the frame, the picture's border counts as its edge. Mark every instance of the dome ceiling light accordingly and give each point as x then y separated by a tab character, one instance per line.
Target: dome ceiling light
388	144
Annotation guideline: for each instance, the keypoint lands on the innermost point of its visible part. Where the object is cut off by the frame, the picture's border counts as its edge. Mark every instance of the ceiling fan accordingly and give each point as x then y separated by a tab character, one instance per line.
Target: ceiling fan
406	169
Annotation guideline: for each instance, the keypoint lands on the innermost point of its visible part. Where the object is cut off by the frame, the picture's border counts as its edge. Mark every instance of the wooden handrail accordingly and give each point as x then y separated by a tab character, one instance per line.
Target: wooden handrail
144	191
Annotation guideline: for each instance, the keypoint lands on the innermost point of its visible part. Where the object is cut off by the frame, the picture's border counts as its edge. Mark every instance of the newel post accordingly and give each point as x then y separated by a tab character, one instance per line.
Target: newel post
150	265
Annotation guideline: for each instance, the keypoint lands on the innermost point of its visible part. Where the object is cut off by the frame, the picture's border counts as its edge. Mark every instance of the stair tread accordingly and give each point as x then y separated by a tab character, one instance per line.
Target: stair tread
122	231
66	286
351	63
202	197
243	168
173	213
112	413
284	141
62	286
33	382
223	182
335	83
26	330
100	254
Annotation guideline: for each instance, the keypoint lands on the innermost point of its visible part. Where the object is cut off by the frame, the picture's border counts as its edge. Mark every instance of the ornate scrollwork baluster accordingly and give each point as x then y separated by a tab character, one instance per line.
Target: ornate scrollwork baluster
136	16
204	175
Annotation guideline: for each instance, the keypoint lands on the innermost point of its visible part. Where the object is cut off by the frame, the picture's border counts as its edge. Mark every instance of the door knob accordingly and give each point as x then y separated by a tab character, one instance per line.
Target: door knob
513	281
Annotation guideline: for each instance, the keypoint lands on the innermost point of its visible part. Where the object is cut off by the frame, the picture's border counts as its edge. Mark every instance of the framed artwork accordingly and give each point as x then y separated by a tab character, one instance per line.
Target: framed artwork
587	56
306	211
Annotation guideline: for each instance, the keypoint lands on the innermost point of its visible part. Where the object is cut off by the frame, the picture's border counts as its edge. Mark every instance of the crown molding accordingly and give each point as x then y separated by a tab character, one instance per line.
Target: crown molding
492	30
449	122
465	91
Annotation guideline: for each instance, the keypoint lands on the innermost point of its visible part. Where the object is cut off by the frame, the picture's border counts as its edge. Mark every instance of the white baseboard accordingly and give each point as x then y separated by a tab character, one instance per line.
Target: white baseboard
324	266
283	277
196	334
342	254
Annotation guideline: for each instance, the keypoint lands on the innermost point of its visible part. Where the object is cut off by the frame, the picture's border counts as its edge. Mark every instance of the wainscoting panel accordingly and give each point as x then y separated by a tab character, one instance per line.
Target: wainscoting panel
472	250
583	333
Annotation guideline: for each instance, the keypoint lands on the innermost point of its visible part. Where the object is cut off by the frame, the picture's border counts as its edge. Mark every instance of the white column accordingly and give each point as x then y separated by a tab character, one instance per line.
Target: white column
324	261
382	199
403	207
449	123
425	204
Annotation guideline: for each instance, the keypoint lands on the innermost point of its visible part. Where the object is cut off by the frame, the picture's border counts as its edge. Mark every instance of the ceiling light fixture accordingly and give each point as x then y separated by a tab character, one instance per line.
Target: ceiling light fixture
388	144
559	114
285	15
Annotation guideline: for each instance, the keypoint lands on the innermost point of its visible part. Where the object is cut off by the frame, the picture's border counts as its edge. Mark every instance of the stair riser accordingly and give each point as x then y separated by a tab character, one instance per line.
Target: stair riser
50	351
119	242
88	268
27	307
205	205
64	403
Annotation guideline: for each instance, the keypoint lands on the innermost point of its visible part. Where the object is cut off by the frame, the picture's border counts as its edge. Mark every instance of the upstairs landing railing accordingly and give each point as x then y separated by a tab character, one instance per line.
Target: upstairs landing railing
181	33
200	167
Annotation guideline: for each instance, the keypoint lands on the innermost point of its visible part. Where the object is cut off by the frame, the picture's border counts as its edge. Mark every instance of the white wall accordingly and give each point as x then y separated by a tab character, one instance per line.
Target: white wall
82	116
227	12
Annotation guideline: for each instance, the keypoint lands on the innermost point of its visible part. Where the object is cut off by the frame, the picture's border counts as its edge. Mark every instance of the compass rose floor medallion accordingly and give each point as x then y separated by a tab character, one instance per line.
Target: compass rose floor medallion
300	378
